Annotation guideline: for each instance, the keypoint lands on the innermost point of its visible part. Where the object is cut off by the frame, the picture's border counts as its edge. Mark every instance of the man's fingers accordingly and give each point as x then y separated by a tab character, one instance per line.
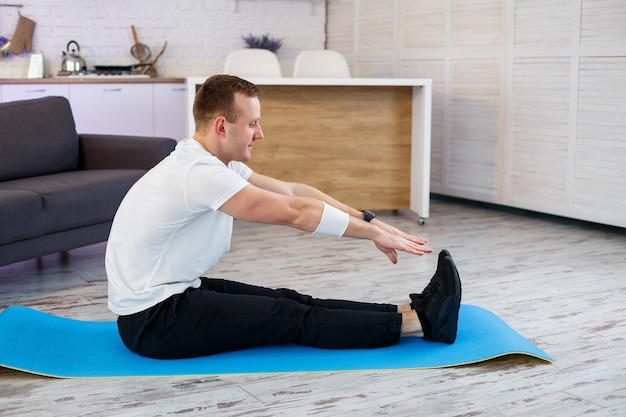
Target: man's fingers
424	249
393	256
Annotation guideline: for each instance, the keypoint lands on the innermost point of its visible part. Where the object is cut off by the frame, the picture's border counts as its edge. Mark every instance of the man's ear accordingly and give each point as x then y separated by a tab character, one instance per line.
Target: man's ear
219	126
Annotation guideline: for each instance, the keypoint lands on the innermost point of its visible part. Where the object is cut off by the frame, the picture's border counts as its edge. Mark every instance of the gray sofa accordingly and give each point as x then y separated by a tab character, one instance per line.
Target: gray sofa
59	190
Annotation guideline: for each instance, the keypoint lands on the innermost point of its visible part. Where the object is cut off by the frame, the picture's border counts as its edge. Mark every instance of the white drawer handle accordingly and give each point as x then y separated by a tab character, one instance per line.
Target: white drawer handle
43	90
111	90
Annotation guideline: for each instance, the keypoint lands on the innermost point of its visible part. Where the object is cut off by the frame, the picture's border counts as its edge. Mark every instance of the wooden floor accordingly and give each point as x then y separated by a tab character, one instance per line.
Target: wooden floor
560	283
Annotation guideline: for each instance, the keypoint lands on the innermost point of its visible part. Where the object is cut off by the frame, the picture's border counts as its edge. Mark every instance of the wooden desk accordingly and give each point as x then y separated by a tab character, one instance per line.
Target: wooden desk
364	141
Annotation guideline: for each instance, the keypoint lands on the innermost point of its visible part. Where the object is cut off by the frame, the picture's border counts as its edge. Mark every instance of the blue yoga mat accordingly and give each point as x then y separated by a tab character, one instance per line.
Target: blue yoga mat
44	344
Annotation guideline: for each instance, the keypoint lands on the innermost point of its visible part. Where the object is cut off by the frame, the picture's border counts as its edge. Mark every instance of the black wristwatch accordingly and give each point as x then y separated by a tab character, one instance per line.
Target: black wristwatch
368	215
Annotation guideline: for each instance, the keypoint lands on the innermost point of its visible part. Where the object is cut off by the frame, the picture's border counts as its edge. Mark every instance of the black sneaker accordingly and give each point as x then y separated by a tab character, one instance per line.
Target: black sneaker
418	299
438	306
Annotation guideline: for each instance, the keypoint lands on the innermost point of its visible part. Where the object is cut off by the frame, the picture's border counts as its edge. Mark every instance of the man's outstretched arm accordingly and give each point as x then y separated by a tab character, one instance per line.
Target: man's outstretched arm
306	213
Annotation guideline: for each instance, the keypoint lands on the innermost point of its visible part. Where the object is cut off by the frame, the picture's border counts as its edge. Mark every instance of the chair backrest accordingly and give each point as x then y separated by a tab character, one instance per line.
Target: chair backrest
253	62
323	63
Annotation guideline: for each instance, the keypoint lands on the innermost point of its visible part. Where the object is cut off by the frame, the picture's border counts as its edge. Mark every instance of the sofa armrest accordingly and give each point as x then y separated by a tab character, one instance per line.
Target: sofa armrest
122	152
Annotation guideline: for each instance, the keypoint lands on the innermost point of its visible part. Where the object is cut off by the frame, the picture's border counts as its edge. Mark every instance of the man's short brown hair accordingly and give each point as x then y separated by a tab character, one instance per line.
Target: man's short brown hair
216	98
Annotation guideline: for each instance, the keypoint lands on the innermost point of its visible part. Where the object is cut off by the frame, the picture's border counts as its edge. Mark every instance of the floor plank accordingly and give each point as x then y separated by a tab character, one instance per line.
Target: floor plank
559	282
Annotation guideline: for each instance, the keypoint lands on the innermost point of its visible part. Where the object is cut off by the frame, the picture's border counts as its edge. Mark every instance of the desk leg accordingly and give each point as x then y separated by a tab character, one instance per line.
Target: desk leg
420	151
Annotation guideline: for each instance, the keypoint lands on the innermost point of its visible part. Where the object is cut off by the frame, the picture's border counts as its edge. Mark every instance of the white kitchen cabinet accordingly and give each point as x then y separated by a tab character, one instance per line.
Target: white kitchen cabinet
112	108
143	108
13	92
528	112
170	110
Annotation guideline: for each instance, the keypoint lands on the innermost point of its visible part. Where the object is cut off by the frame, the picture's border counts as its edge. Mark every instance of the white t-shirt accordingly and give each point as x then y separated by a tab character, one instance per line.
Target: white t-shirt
168	231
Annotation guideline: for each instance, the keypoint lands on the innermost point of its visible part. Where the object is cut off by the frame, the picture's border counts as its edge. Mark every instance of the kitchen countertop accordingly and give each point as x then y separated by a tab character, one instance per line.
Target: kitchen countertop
92	80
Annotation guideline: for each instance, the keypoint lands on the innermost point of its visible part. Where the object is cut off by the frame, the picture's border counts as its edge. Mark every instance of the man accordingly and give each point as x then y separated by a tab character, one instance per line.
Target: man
176	222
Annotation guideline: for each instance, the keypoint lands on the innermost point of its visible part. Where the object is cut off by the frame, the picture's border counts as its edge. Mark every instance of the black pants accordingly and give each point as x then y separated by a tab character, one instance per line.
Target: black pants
223	315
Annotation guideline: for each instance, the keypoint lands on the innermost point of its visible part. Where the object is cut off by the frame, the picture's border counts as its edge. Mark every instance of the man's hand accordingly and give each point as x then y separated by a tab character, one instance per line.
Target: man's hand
393	230
390	243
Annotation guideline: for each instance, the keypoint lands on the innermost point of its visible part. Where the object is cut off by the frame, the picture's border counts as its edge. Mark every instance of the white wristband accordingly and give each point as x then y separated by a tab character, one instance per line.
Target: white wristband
334	222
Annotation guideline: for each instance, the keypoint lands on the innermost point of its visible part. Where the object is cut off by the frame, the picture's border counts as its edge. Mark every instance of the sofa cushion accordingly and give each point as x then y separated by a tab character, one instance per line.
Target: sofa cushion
21	215
78	198
38	137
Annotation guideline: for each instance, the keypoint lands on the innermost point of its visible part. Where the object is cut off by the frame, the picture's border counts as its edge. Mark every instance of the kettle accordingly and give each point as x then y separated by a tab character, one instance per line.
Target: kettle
72	62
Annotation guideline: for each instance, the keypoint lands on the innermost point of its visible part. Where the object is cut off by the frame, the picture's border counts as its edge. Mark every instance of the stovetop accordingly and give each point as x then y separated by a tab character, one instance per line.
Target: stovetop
105	72
106	75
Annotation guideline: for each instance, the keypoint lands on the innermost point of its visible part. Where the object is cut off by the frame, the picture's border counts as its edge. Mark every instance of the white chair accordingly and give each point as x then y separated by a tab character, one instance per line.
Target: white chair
322	63
253	62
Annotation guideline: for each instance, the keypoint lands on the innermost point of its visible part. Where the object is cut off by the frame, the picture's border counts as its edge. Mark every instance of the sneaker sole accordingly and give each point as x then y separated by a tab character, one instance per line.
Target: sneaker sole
447	331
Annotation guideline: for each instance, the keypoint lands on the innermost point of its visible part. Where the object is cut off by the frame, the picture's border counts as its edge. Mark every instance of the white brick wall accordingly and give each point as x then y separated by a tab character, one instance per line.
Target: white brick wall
200	33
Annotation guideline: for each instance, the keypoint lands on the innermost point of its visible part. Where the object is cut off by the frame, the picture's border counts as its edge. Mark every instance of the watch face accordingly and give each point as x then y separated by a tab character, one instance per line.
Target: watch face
368	215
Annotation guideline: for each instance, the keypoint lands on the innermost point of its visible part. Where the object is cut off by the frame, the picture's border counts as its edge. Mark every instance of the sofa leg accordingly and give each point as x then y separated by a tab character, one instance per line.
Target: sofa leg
64	257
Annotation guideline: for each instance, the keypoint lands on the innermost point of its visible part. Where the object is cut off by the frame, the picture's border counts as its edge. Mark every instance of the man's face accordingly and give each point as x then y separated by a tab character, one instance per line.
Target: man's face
242	134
